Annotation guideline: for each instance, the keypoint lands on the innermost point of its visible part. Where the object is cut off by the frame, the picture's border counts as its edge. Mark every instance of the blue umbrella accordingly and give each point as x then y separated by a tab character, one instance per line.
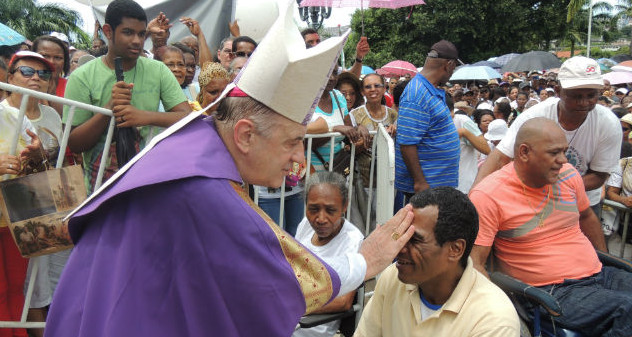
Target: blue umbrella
490	64
9	37
367	70
503	59
472	73
607	62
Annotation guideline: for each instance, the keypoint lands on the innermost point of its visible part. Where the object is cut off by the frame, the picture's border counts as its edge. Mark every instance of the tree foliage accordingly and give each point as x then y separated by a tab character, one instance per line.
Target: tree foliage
32	20
479	28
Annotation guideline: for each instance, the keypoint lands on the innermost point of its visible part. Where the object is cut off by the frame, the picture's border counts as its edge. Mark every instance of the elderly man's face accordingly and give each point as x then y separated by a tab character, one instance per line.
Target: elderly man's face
325	210
225	54
422	261
545	157
272	156
578	101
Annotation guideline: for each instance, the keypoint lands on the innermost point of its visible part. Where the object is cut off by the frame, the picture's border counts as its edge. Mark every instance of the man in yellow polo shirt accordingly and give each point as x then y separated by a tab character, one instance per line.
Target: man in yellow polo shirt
433	288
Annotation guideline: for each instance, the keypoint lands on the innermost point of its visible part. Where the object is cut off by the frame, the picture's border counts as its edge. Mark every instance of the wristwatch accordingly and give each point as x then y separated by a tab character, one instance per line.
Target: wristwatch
359	60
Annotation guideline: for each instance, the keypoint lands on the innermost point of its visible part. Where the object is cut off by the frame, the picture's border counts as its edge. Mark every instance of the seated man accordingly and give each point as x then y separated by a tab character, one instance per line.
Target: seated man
325	232
433	289
536	214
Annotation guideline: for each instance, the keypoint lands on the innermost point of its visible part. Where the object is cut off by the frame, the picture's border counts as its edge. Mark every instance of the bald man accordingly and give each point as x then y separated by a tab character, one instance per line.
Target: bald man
536	214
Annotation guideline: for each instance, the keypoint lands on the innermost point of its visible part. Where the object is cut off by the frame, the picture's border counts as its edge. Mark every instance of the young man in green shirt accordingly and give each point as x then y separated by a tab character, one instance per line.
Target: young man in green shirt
134	101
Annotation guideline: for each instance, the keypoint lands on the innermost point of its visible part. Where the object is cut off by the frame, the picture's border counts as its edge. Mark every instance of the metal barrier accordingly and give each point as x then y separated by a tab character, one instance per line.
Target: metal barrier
626	220
383	147
26	94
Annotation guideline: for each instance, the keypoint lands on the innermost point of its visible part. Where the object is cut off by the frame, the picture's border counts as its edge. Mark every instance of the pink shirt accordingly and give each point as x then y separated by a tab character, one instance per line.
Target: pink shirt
535	232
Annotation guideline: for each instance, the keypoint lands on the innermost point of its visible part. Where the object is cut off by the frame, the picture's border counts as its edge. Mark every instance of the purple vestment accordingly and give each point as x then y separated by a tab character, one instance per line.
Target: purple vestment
173	249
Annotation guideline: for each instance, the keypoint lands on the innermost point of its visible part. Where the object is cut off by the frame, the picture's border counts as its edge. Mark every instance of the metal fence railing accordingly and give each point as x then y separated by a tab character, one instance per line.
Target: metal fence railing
26	94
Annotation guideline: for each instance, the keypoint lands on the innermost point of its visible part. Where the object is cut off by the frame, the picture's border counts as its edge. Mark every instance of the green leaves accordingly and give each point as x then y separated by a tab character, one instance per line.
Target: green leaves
32	20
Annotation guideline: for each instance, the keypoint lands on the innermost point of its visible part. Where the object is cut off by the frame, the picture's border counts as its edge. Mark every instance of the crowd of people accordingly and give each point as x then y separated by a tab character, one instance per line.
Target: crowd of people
520	164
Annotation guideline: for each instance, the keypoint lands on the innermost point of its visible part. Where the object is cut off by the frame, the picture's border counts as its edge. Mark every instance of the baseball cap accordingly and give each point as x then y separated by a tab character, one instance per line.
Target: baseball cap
444	49
549	89
627	118
26	54
60	36
622	90
503	83
462	105
496	130
485	106
580	72
525	84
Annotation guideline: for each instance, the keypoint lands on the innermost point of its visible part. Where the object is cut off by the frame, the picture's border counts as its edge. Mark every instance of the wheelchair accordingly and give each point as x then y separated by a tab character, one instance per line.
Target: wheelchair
540	318
349	319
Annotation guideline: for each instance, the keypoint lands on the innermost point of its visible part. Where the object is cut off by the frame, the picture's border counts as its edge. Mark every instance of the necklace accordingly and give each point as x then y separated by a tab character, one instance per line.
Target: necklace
546	200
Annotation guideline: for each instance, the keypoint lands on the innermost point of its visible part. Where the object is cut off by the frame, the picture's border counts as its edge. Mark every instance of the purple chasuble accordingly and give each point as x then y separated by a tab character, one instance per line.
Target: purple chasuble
173	249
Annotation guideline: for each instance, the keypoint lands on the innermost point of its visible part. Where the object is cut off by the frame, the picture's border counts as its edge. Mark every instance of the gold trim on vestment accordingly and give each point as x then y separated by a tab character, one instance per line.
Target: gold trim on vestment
311	274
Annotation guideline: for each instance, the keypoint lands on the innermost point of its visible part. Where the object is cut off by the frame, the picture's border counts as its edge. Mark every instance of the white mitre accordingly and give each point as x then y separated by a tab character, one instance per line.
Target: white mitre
286	76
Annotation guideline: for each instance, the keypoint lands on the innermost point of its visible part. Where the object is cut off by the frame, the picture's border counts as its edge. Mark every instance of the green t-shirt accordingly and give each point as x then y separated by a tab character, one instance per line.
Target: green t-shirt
92	84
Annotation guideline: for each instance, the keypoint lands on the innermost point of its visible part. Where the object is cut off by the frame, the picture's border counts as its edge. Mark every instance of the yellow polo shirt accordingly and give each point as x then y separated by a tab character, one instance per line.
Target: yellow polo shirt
476	308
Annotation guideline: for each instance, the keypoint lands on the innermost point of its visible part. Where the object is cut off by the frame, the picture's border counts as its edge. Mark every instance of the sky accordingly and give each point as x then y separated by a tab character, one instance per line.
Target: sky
340	16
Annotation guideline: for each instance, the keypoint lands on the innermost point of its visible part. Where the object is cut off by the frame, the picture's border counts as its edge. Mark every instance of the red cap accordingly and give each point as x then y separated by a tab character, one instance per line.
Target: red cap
32	55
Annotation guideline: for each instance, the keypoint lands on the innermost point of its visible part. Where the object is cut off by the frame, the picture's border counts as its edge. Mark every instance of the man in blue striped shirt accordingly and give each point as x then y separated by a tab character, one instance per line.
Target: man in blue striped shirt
427	146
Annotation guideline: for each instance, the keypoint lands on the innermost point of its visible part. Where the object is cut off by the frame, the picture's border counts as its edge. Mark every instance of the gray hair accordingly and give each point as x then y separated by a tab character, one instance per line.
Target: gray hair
233	109
334	179
231	70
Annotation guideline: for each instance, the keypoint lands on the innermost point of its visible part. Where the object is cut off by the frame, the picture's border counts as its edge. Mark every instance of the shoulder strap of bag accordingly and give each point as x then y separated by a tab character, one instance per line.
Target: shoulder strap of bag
338	104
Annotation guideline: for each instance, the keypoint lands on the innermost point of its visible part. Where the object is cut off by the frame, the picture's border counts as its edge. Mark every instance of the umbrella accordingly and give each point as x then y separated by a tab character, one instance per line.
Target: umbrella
607	62
367	70
533	60
9	37
471	73
503	59
618	77
621	57
398	68
490	64
392	4
623	66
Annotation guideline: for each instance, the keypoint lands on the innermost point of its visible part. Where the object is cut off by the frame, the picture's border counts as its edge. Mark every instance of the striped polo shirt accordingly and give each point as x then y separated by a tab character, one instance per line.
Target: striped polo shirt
425	120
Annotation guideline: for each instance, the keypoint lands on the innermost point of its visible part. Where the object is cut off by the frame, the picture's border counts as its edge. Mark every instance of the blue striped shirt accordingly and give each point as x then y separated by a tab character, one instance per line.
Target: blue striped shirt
425	120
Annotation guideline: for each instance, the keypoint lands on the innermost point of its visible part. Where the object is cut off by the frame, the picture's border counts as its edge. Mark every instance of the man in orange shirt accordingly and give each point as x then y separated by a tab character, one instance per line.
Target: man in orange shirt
536	214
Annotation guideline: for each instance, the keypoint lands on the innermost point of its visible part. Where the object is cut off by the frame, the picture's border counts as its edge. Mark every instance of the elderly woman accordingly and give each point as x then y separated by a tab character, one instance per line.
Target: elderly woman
325	232
213	79
29	70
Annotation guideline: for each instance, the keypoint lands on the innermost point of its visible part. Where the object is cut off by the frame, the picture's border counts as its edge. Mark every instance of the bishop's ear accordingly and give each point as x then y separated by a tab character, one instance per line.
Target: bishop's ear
244	135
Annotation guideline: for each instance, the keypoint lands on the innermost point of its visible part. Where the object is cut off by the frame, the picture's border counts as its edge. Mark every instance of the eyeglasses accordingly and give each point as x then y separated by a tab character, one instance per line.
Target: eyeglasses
28	72
371	86
243	54
175	65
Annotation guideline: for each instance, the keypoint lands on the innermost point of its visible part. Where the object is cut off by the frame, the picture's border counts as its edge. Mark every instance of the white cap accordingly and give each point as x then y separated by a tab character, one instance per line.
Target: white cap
496	130
485	106
580	72
549	89
627	118
60	36
622	90
284	75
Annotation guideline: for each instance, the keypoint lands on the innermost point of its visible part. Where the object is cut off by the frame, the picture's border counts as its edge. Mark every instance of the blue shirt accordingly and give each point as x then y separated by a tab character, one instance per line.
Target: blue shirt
425	121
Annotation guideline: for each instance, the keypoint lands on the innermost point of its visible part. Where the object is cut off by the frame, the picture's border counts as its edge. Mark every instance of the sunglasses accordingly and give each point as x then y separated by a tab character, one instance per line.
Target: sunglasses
371	86
28	72
243	54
